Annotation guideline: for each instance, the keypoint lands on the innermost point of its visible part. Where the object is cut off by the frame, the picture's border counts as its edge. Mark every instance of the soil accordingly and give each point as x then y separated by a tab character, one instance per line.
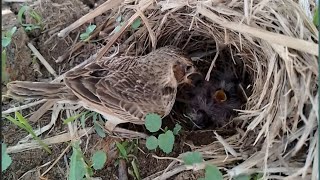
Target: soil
22	65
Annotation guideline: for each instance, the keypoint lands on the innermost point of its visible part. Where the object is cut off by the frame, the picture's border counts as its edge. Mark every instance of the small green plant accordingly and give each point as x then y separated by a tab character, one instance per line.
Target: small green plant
134	26
86	35
126	150
98	159
211	171
23	123
81	167
6	40
34	15
6	159
165	141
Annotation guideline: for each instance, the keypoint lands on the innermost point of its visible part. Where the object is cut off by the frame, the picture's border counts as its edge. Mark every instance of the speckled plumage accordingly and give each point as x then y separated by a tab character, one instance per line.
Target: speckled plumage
123	89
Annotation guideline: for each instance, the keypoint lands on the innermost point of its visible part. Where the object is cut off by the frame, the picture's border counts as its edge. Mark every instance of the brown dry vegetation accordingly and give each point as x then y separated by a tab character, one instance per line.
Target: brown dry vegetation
274	39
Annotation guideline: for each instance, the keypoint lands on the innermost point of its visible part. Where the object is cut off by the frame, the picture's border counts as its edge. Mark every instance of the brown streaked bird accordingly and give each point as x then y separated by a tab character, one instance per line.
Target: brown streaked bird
122	89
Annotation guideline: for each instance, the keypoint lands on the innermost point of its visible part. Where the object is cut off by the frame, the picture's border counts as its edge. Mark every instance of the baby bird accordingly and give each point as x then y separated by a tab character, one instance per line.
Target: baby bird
214	101
122	89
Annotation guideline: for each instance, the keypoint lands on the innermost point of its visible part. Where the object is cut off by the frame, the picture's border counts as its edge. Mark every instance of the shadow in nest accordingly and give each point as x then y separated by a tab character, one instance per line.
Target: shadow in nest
209	105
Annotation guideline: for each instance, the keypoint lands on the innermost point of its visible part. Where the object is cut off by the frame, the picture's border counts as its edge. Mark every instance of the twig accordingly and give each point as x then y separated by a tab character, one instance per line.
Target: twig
49	141
56	161
122	170
43	109
42	60
96	12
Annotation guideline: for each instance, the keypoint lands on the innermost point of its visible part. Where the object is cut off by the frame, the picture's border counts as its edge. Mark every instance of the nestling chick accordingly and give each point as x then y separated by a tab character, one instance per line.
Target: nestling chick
214	101
122	89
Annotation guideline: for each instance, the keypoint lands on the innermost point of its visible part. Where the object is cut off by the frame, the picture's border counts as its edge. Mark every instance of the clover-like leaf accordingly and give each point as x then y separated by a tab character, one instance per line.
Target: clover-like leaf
166	141
212	172
191	158
153	122
99	158
136	24
6	159
152	143
176	129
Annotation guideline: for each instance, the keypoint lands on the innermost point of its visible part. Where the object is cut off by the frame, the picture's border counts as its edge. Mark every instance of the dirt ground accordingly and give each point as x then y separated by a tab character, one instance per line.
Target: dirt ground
21	65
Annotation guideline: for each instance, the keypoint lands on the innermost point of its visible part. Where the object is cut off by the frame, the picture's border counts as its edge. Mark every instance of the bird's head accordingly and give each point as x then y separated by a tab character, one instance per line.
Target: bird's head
182	65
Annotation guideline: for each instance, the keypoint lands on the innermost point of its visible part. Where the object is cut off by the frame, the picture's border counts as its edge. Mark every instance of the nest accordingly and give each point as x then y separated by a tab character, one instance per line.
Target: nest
278	46
273	41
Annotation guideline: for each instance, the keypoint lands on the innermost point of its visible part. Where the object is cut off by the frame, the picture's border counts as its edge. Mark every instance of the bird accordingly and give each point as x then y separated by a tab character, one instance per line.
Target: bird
122	89
214	101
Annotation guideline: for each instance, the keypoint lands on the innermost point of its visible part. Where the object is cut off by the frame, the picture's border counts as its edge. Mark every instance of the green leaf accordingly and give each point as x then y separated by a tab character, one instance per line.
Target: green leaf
22	10
119	18
11	32
99	158
84	36
212	172
91	28
72	118
77	166
153	122
166	141
4	74
152	143
191	158
6	159
176	129
122	150
135	169
99	130
136	24
242	177
316	17
23	123
5	41
117	28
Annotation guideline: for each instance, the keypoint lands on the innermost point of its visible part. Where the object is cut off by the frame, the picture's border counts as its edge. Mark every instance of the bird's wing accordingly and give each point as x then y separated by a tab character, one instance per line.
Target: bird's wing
126	94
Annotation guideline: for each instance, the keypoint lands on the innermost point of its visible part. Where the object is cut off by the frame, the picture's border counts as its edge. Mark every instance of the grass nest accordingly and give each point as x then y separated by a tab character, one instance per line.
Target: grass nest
273	41
278	45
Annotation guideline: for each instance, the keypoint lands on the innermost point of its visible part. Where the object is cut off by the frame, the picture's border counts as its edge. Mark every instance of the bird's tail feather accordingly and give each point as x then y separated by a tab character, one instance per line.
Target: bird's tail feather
35	90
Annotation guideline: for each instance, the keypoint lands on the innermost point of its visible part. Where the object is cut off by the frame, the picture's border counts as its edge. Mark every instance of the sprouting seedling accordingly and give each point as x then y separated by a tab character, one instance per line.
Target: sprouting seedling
81	167
211	171
125	148
34	15
85	36
23	123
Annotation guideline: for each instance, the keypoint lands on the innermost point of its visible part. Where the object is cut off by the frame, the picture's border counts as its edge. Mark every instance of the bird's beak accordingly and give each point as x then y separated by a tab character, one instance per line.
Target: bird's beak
187	78
220	96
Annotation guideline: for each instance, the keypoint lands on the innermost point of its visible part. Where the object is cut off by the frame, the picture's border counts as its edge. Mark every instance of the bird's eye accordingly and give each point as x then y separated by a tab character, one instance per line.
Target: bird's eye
188	68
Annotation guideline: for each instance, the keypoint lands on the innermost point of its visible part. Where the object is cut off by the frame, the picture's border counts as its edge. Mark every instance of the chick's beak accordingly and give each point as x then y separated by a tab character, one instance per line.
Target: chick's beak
220	96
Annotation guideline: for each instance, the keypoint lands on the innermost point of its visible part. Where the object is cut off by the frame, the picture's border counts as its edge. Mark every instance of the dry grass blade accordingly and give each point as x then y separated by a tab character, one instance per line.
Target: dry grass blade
98	11
271	37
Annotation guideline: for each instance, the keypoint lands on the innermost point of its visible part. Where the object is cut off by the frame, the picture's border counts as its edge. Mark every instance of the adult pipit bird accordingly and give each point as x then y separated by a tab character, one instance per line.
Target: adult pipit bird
122	89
